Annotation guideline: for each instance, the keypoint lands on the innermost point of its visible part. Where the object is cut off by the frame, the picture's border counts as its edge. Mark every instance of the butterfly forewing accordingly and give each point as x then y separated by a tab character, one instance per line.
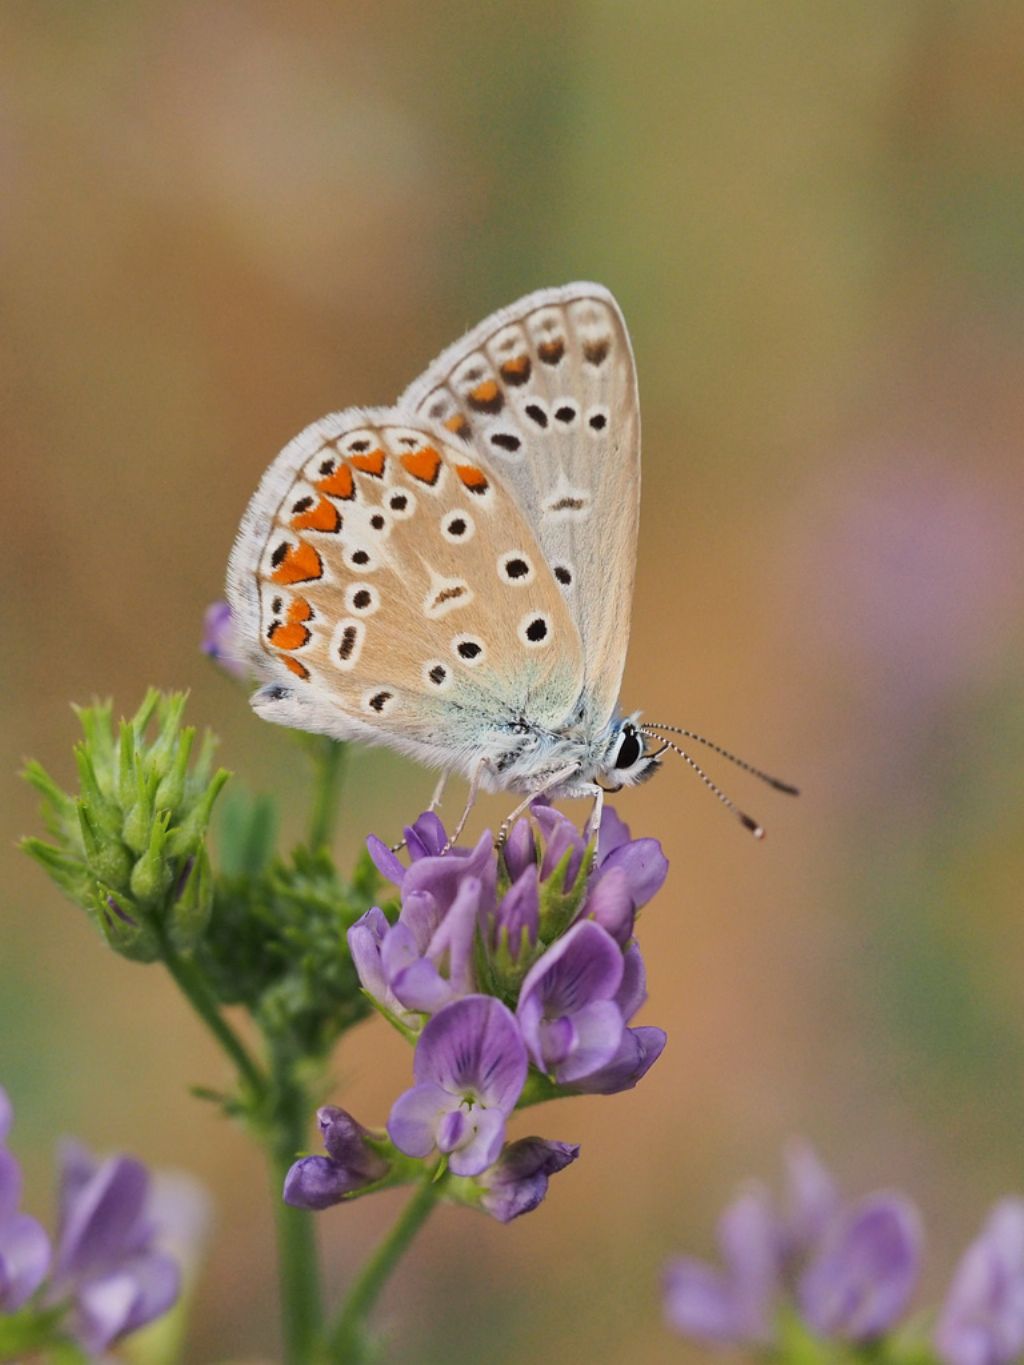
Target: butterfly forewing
546	391
398	584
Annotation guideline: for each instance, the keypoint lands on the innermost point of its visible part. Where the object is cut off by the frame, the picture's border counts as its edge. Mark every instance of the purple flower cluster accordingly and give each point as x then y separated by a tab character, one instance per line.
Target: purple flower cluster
106	1270
848	1271
517	975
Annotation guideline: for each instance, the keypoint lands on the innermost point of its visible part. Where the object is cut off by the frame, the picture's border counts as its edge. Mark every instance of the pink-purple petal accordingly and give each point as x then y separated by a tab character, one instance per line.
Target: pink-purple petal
638	1050
861	1280
584	964
414	1118
484	1147
644	865
24	1260
473	1046
598	1028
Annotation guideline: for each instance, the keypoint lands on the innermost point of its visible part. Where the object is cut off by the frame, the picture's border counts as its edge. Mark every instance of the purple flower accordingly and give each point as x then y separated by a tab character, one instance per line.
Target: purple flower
24	1246
317	1182
732	1306
567	1009
641	860
107	1257
513	926
425	960
518	1180
861	1280
638	1050
470	1065
220	641
424	838
982	1322
812	1201
561	838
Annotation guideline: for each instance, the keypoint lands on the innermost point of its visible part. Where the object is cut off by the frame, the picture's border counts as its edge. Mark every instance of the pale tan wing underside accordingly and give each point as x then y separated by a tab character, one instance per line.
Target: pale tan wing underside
383	566
546	390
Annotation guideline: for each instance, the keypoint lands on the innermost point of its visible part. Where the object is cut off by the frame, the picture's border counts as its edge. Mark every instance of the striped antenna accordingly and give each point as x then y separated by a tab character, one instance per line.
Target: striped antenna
747	821
775	782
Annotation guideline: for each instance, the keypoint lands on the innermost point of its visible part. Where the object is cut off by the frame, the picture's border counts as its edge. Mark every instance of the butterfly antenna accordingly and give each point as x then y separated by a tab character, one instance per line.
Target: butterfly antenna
775	782
747	821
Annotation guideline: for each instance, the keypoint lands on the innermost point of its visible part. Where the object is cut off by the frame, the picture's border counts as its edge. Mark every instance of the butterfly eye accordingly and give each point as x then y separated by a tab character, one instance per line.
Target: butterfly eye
630	748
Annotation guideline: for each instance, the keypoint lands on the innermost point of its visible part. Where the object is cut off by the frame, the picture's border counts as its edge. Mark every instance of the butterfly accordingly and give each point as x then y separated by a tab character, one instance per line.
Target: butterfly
453	576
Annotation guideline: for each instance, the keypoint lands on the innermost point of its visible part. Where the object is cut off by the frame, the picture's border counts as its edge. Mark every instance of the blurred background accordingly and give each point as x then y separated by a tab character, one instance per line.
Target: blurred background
217	223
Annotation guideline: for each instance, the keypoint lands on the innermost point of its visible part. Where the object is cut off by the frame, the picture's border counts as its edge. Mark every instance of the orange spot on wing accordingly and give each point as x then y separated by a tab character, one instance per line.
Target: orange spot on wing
458	424
300	564
516	370
299	610
423	464
323	517
486	397
340	484
300	670
370	463
291	636
474	479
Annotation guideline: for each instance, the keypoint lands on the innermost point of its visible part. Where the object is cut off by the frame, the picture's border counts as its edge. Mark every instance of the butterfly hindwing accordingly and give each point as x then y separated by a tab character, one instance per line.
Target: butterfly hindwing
385	574
546	391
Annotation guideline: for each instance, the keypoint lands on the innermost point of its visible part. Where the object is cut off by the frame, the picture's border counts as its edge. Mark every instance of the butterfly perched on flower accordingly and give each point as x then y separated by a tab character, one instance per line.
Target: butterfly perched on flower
452	576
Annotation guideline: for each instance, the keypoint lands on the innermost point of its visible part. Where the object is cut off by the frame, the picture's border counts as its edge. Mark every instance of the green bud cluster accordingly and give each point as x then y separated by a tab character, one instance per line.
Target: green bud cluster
130	846
276	943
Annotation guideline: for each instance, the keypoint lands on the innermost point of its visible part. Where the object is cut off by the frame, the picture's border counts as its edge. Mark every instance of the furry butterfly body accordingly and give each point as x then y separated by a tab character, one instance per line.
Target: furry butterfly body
452	576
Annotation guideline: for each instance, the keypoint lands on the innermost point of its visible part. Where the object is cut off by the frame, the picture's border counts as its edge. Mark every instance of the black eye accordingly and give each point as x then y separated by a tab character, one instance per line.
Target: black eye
629	750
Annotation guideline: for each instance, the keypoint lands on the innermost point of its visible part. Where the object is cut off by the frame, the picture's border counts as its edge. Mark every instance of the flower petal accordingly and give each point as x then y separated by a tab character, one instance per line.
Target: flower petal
598	1028
609	903
24	1260
861	1281
583	965
612	834
645	866
483	1148
474	1047
388	864
699	1303
317	1182
106	1217
412	1123
518	1182
638	1050
633	991
427	837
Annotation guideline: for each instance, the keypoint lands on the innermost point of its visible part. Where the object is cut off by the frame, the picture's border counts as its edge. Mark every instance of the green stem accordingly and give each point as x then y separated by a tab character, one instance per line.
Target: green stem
329	762
298	1262
193	986
347	1339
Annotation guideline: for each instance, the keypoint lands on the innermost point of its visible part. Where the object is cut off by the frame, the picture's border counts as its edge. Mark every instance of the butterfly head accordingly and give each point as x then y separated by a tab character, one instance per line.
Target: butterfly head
629	761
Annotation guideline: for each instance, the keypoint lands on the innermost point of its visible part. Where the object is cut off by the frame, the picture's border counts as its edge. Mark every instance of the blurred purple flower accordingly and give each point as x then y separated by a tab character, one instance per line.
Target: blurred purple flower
732	1306
518	1180
24	1246
811	1201
567	1008
469	1066
107	1258
317	1182
220	641
860	1282
982	1322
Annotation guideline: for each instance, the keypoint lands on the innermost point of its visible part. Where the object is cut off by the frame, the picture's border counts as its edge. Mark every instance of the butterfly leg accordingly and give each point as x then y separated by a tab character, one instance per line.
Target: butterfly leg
596	811
555	780
474	789
435	802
